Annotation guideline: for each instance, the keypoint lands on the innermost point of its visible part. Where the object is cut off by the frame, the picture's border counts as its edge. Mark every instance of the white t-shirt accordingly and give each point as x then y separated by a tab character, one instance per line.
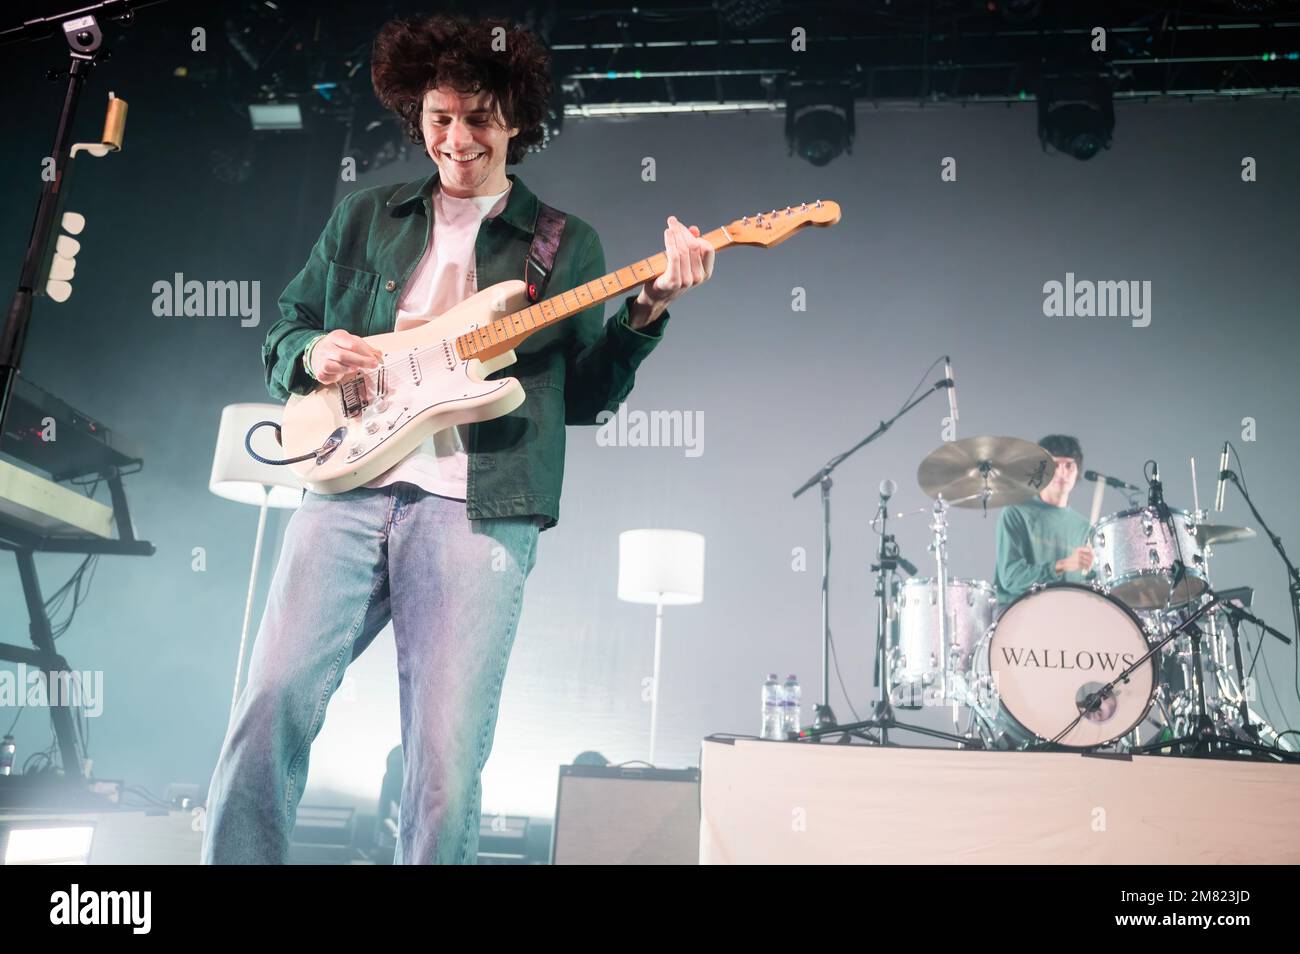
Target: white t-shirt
443	279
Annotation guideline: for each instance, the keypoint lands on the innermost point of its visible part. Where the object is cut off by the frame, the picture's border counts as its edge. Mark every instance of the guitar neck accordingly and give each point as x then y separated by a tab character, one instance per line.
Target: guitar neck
503	334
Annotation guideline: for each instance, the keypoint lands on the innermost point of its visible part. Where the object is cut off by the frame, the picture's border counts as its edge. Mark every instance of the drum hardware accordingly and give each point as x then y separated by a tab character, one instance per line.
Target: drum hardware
1093	703
939	547
1204	736
888	561
1234	609
824	722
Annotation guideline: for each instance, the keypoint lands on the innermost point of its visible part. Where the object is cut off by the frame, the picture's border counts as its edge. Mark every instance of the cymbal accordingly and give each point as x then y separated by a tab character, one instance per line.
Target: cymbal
1213	534
986	471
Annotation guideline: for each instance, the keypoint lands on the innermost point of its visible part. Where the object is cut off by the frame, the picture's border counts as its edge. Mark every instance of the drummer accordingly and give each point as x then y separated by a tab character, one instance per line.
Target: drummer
1044	540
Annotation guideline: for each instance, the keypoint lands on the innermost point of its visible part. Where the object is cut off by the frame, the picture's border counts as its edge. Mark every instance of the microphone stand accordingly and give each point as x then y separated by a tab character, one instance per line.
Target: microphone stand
1236	614
1203	738
1293	575
824	722
85	43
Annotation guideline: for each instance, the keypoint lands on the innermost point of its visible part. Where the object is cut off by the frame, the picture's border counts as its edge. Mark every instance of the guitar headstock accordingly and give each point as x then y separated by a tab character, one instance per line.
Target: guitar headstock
773	227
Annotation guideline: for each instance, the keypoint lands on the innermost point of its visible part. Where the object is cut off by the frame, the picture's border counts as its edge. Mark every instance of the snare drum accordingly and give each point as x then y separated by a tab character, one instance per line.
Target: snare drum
971	606
1134	555
1048	650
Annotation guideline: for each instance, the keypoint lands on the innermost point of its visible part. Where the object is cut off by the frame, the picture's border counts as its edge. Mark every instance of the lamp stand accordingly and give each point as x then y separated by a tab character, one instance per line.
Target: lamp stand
654	682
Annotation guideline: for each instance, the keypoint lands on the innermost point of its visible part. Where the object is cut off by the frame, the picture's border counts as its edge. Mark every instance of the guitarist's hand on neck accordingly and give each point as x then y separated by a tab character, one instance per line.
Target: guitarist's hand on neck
690	263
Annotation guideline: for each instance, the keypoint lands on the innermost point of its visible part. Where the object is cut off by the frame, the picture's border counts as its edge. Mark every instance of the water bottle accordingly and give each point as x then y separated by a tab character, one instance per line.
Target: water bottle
7	755
773	709
791	701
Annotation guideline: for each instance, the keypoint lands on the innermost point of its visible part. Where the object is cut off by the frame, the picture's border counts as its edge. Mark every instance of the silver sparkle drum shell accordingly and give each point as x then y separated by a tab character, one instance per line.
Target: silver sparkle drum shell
971	607
1134	554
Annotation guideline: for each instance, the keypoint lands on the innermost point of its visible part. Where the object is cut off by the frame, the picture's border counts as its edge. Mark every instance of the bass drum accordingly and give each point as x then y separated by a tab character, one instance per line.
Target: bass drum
1048	650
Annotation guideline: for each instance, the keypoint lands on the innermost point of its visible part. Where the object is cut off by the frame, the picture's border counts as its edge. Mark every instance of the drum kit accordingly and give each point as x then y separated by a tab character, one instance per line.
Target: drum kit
1141	656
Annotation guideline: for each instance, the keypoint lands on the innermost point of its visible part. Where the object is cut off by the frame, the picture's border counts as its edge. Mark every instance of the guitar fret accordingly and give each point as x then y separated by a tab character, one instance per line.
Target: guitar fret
507	330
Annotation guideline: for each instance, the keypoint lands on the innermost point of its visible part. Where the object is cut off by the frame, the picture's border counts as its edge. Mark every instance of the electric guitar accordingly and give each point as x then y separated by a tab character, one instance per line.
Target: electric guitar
433	376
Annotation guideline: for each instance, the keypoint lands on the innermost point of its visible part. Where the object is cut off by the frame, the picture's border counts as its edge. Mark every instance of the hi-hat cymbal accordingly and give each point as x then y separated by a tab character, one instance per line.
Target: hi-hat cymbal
1214	534
986	471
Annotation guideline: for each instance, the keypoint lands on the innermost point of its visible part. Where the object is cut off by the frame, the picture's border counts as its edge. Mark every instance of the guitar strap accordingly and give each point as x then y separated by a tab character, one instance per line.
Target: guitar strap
541	254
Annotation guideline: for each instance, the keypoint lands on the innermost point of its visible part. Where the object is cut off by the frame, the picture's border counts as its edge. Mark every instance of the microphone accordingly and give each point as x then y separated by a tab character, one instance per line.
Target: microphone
887	489
952	388
1156	495
1223	479
1108	480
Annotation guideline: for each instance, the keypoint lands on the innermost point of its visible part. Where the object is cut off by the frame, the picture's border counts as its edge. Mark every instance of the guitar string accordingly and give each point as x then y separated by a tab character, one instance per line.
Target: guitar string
399	370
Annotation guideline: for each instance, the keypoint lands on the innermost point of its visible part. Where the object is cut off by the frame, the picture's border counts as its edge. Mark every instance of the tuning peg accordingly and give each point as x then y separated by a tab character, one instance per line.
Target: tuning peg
74	222
66	246
59	291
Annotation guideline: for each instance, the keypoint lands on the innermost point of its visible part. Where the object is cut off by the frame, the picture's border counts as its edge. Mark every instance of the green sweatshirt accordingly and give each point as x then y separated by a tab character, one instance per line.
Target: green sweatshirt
1031	538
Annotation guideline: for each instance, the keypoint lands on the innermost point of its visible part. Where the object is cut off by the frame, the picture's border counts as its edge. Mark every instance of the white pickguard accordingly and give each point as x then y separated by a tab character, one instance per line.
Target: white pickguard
426	388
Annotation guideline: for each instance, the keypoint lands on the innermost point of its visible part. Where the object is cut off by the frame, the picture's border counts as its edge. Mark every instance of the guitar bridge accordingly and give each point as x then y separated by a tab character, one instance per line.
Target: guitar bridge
353	396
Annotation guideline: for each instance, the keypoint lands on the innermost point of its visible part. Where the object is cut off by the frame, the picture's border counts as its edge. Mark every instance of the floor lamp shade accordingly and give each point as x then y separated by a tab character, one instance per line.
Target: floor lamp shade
238	477
661	566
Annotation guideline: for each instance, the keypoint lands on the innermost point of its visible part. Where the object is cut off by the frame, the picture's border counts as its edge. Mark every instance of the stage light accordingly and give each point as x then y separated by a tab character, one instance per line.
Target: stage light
46	844
1076	115
275	116
819	122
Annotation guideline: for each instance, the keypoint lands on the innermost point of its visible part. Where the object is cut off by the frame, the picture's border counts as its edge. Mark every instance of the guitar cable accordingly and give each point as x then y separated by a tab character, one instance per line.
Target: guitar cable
248	446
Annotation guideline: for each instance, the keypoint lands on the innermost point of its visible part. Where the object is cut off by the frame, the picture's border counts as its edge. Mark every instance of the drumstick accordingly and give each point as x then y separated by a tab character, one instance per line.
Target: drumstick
1096	502
1196	500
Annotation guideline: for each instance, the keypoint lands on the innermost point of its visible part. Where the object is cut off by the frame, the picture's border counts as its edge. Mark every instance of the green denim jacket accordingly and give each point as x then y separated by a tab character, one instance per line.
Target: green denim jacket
570	372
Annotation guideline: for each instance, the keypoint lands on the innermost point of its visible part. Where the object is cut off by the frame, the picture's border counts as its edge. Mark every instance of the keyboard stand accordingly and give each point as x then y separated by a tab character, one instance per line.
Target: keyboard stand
25	541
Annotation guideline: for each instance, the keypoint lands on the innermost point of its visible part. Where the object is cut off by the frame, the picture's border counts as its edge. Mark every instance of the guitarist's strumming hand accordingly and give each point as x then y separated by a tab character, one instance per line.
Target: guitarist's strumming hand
341	353
690	263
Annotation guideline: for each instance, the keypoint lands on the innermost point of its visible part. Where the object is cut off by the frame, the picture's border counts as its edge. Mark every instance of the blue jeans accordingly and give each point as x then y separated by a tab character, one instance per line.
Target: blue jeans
351	562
